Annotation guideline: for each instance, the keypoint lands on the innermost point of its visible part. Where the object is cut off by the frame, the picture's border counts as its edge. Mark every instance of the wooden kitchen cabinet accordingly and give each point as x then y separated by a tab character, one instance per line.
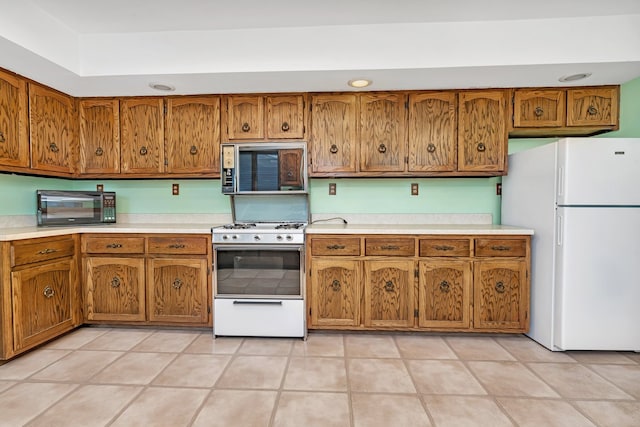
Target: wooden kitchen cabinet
52	130
539	108
245	117
389	293
336	292
142	135
432	132
593	107
482	131
285	117
14	137
444	293
99	136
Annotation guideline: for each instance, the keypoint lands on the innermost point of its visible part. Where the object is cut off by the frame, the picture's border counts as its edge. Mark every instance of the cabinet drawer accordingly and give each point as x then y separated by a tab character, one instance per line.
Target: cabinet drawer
335	246
386	246
501	247
178	245
30	251
113	245
445	247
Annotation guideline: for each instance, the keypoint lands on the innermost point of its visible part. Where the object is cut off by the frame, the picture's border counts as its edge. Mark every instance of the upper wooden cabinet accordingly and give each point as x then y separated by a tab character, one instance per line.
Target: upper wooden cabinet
432	132
246	118
99	136
14	140
482	131
52	123
565	111
142	127
193	134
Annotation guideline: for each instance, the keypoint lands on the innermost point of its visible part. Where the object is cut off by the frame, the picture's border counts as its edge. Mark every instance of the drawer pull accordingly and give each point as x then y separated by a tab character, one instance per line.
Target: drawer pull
335	285
194	150
335	247
99	151
592	111
481	147
538	111
382	148
500	248
444	286
114	245
115	282
500	287
47	251
176	246
246	127
177	284
143	151
333	149
431	148
389	247
443	248
389	286
53	147
48	292
285	127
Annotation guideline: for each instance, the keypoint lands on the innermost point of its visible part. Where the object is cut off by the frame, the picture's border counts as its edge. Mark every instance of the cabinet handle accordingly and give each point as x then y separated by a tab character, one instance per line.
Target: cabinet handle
177	284
99	151
47	251
444	286
382	148
289	174
431	148
246	127
389	247
48	292
443	248
114	245
143	151
335	285
538	112
592	110
285	127
500	248
481	147
500	287
389	286
194	150
176	246
334	247
115	282
333	149
53	147
2	137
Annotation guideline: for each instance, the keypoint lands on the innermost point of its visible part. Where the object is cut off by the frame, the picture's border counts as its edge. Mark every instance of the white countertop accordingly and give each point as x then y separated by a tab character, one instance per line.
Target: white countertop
488	229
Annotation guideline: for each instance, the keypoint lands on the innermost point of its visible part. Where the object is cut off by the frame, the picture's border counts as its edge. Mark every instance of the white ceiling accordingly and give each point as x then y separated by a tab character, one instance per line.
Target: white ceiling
118	47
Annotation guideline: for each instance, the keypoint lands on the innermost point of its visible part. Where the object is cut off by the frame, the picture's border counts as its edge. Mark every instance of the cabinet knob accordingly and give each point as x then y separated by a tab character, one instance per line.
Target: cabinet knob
143	151
2	137
501	248
443	248
335	247
444	286
431	148
500	287
115	282
389	286
48	292
285	127
47	251
335	285
114	245
246	127
333	149
177	284
53	147
382	148
538	112
289	174
176	246
592	110
481	147
194	150
99	151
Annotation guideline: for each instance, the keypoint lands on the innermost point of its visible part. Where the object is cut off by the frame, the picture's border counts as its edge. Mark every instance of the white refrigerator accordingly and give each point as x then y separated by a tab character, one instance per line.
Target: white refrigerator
582	198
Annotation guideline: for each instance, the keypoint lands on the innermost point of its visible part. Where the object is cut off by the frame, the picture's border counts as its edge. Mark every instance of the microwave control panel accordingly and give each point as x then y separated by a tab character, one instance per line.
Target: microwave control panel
228	166
109	207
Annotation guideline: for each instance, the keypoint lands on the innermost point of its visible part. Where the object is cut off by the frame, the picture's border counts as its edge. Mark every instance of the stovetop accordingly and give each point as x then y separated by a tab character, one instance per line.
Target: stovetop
259	233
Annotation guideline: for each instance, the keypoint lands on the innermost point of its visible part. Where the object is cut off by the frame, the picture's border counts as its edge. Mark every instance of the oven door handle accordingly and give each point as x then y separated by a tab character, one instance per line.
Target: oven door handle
248	302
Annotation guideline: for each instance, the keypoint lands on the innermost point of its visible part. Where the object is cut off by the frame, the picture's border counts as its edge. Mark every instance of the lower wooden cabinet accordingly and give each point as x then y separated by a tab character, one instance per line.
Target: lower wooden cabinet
388	293
444	293
335	297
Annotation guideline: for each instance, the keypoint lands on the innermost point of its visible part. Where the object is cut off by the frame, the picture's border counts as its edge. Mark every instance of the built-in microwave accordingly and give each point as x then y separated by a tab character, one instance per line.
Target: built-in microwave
75	207
264	168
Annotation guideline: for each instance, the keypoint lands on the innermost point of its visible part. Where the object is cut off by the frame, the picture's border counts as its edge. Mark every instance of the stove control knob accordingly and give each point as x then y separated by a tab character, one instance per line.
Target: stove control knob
279	237
289	237
256	237
234	237
225	237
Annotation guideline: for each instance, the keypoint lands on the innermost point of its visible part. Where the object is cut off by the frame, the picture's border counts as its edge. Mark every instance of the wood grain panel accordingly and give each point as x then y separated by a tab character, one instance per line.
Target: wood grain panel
387	246
38	250
245	117
501	247
445	247
444	294
14	139
142	127
178	245
592	107
342	246
285	117
500	297
336	292
539	108
389	293
112	244
99	136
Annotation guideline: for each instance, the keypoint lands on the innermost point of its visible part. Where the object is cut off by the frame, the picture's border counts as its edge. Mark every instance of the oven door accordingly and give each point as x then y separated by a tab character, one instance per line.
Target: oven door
259	271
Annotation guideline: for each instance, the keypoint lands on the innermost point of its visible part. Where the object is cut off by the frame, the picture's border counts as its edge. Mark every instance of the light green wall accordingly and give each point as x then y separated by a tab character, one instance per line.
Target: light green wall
389	195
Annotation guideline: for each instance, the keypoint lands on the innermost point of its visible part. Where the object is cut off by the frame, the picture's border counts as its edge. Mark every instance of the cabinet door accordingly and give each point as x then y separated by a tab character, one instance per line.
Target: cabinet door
389	293
444	294
114	289
177	290
539	108
193	134
290	173
99	136
334	135
592	107
42	302
335	292
245	117
142	127
482	131
51	128
14	140
383	142
285	117
432	132
500	295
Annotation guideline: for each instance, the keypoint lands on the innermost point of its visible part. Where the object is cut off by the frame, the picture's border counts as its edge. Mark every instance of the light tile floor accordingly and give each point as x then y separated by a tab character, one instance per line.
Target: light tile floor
98	376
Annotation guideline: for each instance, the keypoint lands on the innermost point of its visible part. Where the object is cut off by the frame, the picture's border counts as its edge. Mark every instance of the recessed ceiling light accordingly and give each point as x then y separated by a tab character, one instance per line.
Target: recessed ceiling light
574	77
359	83
161	86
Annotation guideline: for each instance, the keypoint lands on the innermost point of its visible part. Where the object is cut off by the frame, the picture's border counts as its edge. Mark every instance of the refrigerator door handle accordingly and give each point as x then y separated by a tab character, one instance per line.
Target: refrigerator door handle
560	181
559	230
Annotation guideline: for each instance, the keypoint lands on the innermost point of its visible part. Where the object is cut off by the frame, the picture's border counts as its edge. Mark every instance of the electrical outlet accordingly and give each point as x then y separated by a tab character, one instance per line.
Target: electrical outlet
332	189
499	189
414	189
100	188
175	189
